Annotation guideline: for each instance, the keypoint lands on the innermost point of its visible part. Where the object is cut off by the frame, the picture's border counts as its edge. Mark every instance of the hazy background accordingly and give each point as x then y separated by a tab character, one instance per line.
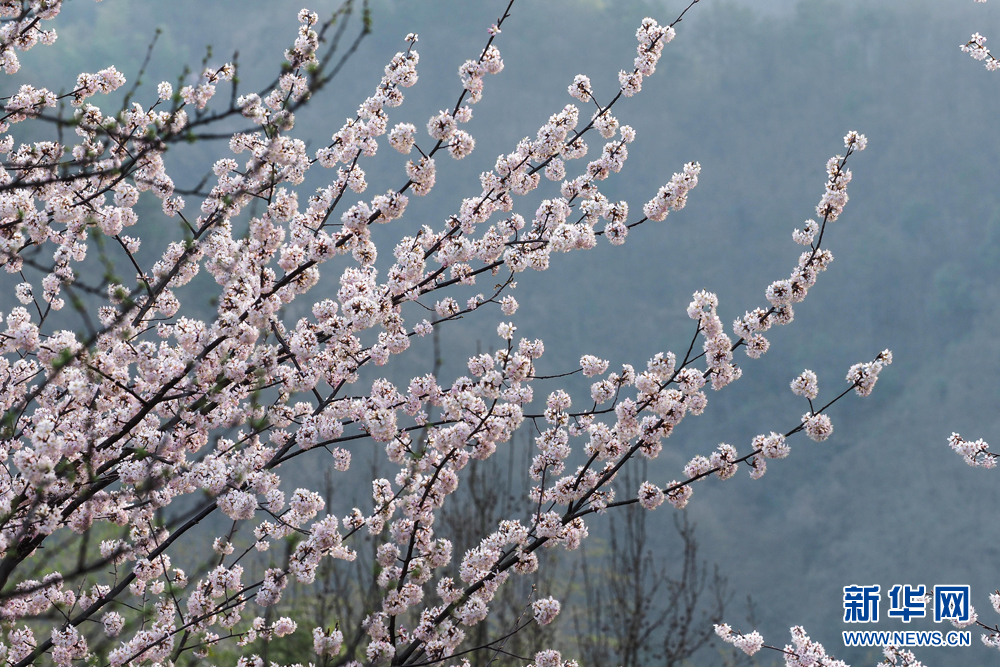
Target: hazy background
761	93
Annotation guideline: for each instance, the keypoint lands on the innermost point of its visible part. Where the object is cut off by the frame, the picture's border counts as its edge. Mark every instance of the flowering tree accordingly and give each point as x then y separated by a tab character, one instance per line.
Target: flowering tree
976	453
976	47
153	420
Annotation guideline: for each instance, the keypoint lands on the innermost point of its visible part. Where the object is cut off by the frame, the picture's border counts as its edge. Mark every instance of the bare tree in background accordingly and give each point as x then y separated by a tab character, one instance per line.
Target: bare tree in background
644	608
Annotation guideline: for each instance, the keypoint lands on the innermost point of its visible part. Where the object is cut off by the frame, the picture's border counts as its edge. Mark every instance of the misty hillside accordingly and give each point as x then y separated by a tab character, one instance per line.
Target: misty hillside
761	94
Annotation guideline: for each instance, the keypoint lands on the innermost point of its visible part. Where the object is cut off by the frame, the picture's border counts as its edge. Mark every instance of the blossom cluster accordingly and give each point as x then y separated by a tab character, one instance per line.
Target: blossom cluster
802	652
976	453
976	47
